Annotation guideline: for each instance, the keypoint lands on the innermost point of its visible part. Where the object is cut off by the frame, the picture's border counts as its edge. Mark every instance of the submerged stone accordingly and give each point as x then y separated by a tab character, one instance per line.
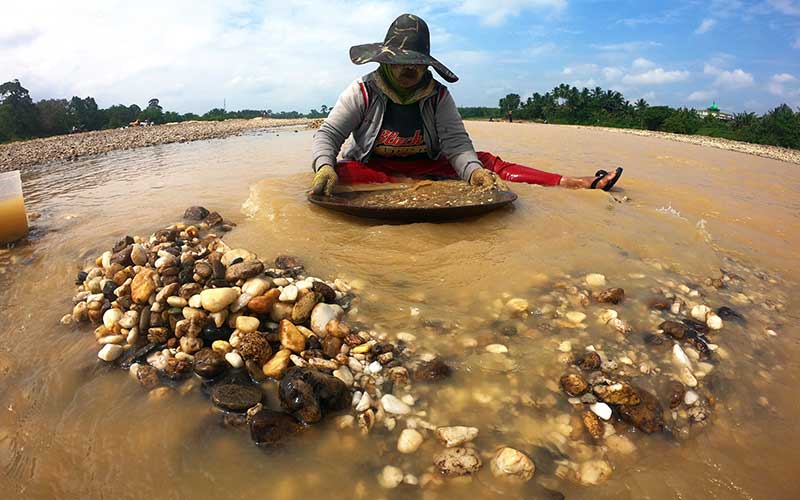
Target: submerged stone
647	416
307	393
432	371
269	428
235	397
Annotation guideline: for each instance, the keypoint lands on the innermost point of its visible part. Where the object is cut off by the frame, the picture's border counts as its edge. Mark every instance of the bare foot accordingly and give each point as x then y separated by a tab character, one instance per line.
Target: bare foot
586	182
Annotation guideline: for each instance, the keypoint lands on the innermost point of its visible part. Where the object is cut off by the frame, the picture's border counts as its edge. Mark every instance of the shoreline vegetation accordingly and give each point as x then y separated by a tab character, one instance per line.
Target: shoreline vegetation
566	105
60	129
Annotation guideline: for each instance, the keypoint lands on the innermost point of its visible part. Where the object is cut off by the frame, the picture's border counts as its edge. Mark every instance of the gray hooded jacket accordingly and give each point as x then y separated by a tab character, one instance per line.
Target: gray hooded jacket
359	111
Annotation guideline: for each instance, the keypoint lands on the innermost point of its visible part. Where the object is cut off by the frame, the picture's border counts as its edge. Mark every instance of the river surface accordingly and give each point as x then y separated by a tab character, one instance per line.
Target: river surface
73	427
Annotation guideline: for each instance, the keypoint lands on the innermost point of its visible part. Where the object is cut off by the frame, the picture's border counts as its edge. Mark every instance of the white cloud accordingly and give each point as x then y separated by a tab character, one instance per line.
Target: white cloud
496	12
642	63
735	79
656	76
701	95
191	54
612	74
705	26
778	84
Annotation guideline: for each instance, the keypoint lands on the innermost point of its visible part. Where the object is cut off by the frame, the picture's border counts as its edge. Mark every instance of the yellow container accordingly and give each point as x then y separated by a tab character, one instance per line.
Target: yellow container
13	221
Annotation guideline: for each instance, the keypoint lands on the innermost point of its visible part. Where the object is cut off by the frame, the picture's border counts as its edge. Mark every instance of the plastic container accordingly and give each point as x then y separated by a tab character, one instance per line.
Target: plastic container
13	221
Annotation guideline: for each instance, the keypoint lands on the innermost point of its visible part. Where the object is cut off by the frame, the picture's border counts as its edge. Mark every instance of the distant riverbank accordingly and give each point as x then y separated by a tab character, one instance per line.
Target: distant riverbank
17	155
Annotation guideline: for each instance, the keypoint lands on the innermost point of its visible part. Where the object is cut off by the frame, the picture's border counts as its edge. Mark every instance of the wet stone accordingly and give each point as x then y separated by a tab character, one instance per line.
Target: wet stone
213	219
574	384
457	461
326	293
147	376
610	296
195	213
647	416
269	428
235	397
212	333
589	361
620	393
432	371
307	393
287	262
674	329
593	424
177	369
729	314
676	394
254	346
244	270
209	363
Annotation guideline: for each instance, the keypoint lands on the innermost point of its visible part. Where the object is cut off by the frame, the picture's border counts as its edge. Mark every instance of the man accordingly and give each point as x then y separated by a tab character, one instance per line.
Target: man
406	124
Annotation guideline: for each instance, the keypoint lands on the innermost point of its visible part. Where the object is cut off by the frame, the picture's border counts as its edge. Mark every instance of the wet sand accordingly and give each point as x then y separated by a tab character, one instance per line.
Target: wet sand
73	427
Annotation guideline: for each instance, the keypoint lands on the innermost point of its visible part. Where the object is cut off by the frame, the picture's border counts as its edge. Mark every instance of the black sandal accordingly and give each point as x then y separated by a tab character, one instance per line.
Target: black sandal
601	174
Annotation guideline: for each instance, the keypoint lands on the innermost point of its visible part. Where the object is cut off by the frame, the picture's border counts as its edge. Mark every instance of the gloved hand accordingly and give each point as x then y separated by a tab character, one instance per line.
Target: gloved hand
486	179
324	180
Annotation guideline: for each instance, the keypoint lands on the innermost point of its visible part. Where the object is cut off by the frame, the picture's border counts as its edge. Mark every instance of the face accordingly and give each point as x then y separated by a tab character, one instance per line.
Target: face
408	75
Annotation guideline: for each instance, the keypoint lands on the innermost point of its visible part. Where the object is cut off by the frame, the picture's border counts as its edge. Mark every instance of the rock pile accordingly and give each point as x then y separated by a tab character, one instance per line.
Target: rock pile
182	302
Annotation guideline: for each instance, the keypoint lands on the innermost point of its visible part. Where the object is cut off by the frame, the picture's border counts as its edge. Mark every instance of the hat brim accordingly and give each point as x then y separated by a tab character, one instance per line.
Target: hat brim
379	53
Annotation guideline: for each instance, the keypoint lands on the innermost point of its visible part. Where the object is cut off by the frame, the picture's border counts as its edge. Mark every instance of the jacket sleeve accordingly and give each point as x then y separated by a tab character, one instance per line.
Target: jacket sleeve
345	116
453	138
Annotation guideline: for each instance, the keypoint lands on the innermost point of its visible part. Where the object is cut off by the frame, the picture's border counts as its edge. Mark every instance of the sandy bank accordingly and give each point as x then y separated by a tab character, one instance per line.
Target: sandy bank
17	155
774	152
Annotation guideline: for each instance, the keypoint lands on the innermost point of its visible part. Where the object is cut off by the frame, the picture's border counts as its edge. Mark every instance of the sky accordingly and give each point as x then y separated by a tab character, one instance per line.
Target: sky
194	55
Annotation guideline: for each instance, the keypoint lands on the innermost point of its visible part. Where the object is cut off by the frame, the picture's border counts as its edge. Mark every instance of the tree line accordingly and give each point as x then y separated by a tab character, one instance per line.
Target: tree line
22	118
566	104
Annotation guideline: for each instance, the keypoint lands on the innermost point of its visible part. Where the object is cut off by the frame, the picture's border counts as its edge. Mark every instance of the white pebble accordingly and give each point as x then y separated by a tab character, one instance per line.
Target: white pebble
234	359
344	374
595	280
111	318
687	377
110	352
700	311
690	398
565	346
714	322
497	348
602	410
409	441
680	357
393	405
390	477
375	367
576	316
288	294
364	403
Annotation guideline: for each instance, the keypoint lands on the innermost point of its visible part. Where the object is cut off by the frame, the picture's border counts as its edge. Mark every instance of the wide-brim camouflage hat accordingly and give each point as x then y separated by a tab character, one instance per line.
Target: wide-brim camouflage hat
408	41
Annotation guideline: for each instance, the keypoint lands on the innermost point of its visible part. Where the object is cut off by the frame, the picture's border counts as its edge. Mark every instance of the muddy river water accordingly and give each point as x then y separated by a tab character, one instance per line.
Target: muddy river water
73	427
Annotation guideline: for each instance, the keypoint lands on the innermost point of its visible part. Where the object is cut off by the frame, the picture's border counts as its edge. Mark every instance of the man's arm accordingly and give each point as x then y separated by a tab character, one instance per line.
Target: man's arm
345	116
455	142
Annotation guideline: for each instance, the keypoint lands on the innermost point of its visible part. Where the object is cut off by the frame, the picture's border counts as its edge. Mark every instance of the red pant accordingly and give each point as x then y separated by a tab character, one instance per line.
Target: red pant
380	170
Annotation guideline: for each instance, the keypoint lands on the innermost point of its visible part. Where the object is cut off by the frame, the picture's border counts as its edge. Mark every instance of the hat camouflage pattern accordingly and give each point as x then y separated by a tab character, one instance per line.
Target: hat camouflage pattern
408	41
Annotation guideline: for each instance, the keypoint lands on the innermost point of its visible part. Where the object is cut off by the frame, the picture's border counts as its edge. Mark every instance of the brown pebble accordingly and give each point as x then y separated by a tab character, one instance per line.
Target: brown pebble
574	384
589	361
593	424
610	296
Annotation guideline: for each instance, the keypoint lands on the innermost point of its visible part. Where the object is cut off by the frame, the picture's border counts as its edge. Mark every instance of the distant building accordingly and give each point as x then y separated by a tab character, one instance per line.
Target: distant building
714	110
